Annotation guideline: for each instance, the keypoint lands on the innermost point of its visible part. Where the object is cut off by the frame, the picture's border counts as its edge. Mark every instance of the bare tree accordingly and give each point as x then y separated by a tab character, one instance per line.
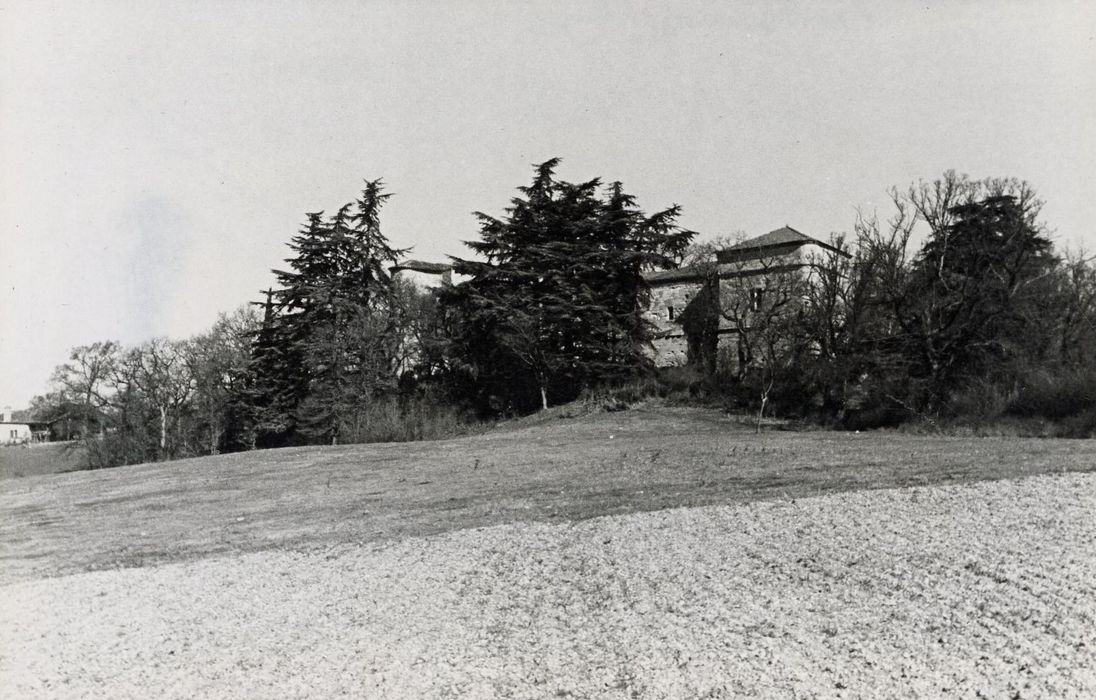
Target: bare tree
160	372
84	380
762	299
703	253
1074	333
217	360
851	301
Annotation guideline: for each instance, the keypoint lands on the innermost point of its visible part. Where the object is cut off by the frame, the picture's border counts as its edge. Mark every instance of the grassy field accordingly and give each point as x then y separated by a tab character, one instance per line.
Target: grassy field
46	458
547	470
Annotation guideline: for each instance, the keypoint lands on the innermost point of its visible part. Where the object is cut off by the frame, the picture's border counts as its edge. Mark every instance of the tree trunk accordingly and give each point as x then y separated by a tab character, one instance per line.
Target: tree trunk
214	433
764	400
163	432
543	398
87	416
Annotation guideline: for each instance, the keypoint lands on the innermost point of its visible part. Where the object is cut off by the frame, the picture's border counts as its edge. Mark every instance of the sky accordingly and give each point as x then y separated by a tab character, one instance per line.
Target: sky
155	158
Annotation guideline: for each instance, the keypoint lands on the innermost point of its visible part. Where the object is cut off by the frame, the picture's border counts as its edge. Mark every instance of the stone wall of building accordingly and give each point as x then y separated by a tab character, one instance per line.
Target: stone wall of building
670	351
694	313
668	301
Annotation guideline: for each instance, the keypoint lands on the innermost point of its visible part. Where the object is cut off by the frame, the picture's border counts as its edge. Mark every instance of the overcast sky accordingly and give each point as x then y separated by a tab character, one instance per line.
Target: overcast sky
155	157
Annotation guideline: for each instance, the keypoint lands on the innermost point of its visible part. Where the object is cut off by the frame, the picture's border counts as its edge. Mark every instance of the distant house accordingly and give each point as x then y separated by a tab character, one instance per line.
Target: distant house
13	432
685	305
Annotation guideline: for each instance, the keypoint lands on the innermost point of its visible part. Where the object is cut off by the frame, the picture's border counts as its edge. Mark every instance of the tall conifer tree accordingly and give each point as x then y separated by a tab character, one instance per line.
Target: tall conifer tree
556	303
327	344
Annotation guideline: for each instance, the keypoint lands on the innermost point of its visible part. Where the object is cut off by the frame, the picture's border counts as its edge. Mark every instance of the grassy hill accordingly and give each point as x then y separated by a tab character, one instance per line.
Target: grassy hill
547	469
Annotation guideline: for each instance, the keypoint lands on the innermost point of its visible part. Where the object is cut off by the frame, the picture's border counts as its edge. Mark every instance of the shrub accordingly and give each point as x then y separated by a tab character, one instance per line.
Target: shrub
406	419
981	400
1081	425
1066	393
675	384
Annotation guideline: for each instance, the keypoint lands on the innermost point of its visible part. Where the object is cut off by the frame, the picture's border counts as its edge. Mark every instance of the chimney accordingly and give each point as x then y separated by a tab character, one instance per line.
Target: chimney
5	417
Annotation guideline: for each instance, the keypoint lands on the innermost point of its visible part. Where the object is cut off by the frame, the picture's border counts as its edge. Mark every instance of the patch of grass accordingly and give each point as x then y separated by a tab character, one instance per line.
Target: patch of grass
407	420
45	458
542	469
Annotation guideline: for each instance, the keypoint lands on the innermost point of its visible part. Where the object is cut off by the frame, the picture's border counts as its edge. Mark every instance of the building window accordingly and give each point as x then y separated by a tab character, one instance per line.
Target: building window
756	296
670	309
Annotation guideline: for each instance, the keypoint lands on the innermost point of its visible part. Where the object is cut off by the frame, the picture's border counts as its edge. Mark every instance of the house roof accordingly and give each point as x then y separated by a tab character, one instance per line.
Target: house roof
422	266
780	237
746	250
698	273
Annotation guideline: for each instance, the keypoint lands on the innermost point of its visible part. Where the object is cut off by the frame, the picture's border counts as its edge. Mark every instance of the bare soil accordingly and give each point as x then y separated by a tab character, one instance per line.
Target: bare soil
981	590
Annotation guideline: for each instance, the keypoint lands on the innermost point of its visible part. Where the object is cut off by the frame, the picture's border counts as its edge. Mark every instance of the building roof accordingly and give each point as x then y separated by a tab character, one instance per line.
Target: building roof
699	273
422	266
780	237
730	259
680	274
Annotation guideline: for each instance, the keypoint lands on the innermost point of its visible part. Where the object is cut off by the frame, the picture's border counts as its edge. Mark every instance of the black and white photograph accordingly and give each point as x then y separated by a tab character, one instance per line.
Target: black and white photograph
574	349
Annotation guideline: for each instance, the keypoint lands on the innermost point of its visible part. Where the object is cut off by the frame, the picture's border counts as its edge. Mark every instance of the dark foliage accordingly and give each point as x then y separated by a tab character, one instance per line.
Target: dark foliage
985	326
329	341
964	311
557	302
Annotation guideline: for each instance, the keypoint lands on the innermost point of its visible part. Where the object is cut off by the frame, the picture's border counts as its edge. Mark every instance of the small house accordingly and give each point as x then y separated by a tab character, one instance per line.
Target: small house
17	432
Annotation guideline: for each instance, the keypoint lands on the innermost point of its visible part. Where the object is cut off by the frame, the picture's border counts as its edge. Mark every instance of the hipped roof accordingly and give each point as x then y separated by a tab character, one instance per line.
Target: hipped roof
780	237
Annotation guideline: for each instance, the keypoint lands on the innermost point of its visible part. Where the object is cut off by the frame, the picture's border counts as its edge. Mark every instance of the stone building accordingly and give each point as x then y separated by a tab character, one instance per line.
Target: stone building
684	309
686	304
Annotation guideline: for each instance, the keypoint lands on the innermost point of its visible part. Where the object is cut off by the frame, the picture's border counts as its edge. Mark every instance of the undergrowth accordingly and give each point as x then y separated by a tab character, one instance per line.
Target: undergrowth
1043	403
403	419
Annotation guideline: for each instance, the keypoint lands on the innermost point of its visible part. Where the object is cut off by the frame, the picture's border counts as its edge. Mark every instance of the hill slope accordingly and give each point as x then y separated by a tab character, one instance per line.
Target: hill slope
359	571
603	464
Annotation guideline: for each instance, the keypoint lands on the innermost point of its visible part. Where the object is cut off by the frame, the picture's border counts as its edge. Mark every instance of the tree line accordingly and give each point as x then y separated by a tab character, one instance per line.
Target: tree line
985	317
984	322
